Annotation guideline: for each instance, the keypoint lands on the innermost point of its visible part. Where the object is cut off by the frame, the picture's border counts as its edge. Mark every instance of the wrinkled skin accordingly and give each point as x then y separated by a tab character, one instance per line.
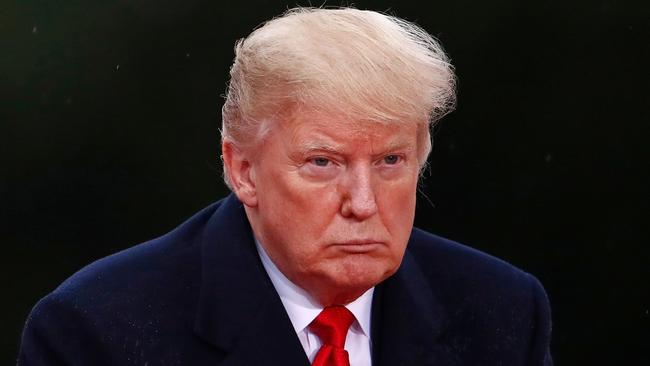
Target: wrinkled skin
331	201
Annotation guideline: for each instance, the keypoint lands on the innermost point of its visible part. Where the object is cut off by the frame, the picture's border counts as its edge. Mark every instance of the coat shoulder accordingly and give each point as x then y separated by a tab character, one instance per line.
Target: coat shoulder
493	307
439	257
147	267
145	292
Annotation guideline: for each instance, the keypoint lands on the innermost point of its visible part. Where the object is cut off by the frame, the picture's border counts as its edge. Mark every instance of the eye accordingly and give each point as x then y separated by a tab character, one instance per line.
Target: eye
391	159
320	168
320	161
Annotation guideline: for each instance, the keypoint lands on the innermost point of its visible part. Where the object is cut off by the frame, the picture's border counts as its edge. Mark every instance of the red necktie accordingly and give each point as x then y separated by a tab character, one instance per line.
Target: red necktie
331	326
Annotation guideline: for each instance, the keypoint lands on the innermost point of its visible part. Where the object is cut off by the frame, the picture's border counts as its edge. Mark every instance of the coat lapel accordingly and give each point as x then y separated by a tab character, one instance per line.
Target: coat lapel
239	311
408	320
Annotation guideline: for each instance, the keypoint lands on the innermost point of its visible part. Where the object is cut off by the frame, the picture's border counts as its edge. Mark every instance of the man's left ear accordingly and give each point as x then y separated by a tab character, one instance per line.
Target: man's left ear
240	173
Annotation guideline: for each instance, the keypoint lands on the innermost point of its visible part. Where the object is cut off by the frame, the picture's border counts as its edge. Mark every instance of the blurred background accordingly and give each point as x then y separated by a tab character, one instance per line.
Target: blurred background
109	118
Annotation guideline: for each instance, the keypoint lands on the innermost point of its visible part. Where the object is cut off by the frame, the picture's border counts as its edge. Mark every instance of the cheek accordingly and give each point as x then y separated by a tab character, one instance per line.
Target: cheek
397	205
295	210
400	192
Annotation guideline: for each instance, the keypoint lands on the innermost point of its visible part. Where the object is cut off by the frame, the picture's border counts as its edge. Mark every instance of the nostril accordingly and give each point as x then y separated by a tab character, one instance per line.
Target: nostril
358	193
359	207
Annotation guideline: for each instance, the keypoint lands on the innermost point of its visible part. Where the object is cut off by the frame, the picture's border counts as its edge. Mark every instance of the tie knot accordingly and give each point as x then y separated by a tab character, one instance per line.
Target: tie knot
332	325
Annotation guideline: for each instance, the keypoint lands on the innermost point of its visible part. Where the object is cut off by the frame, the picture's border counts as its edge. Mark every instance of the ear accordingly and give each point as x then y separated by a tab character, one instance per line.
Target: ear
239	168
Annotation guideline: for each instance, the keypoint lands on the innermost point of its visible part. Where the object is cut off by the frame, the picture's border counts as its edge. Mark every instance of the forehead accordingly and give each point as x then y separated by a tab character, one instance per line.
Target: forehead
333	129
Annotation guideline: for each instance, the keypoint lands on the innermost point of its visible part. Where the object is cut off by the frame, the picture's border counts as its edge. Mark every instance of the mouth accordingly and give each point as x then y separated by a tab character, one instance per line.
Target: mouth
359	246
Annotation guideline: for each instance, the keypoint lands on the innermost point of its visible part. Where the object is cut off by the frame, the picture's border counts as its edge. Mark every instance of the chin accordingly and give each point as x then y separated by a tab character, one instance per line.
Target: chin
345	279
345	292
360	276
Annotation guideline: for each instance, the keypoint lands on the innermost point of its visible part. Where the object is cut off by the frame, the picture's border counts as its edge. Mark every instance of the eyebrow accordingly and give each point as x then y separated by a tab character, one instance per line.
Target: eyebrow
399	145
318	146
338	149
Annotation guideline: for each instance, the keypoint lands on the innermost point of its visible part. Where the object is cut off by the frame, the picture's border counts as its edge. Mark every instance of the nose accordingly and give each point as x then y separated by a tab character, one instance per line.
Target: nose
359	201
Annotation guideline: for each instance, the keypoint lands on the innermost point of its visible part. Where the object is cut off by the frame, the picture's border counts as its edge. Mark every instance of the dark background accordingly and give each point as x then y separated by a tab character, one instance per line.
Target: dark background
109	117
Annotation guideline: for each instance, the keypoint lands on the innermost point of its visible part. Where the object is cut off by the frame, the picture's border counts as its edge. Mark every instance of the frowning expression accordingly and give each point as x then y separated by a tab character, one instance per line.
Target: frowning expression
333	201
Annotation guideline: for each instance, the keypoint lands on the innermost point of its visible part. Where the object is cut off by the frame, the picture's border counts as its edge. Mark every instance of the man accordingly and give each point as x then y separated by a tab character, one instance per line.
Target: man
313	259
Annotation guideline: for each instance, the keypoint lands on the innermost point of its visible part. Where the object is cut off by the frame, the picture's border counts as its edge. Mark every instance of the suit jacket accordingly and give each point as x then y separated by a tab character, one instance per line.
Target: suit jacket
199	295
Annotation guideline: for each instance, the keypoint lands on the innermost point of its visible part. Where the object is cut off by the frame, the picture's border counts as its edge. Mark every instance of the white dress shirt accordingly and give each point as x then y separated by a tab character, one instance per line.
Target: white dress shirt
303	309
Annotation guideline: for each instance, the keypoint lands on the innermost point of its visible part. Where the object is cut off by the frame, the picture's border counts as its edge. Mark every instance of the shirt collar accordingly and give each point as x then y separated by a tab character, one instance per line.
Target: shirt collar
301	307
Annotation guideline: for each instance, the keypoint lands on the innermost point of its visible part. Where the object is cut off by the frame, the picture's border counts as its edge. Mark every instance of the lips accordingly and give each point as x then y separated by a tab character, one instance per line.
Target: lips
359	242
359	246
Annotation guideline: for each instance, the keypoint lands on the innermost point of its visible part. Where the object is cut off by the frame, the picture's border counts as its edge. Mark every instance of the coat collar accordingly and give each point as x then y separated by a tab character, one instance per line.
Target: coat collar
239	307
408	320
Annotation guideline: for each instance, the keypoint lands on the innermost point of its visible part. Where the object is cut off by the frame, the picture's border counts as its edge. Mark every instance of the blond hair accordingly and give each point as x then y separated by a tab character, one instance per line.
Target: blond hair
361	64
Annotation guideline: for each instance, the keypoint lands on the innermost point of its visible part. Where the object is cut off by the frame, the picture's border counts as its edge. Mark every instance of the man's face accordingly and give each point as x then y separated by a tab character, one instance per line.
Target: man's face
335	202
